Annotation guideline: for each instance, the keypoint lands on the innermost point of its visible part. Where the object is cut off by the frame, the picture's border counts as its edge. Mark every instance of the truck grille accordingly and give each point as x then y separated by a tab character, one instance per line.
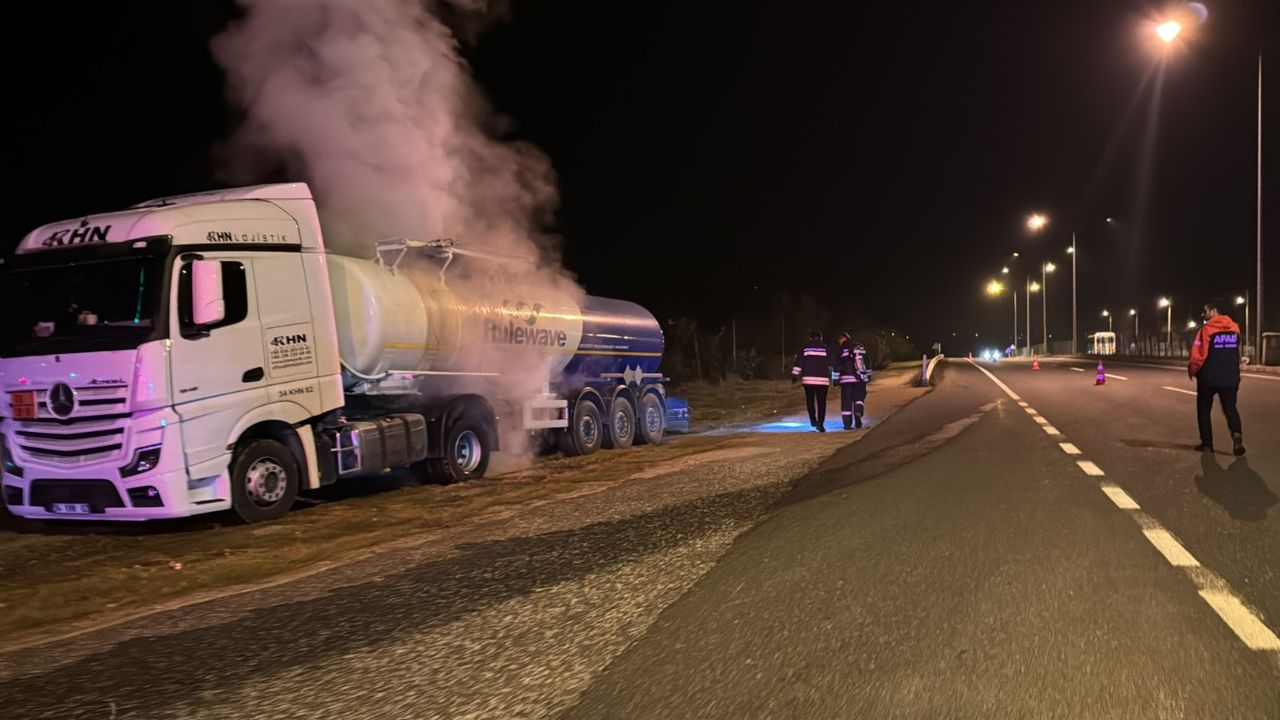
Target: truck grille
97	494
94	433
91	401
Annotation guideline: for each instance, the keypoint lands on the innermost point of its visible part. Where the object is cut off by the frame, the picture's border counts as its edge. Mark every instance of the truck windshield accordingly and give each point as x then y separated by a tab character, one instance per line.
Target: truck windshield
98	304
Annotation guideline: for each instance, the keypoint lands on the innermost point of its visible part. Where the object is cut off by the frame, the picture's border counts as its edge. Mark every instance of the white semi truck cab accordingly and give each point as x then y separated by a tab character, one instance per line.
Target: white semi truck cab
206	353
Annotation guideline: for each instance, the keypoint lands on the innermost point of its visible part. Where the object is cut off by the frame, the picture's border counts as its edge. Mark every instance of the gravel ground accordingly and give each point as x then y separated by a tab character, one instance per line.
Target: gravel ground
511	613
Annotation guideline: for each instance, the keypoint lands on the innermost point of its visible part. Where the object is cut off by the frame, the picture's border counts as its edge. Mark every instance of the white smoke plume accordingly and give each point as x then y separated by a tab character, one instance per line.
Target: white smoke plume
370	102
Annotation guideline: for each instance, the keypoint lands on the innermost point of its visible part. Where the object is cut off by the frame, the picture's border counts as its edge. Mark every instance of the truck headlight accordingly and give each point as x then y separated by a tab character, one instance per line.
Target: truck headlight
144	460
6	459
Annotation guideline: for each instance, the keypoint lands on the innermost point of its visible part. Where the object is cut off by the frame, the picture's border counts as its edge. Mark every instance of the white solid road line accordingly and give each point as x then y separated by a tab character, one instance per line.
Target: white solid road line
1089	468
1242	620
1185	392
1069	449
996	380
1170	548
1260	377
1119	497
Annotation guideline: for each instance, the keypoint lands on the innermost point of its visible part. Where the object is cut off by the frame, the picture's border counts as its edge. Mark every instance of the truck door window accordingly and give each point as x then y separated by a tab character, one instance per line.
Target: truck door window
235	291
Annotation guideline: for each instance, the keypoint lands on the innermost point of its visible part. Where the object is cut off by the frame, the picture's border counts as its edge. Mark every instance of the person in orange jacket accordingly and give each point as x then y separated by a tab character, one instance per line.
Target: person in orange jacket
1215	366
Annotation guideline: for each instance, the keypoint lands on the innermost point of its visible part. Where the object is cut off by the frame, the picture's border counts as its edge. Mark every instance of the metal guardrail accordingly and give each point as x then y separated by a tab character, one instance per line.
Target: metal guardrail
927	367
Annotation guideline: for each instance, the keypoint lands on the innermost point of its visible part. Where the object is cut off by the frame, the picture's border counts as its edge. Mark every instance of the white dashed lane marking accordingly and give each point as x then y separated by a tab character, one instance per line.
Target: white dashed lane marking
1170	548
1089	468
1215	591
1078	369
1255	634
1119	497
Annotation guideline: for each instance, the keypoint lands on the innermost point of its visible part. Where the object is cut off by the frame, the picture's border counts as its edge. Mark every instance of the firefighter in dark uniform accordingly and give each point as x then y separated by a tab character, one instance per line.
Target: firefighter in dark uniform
1215	366
813	370
852	374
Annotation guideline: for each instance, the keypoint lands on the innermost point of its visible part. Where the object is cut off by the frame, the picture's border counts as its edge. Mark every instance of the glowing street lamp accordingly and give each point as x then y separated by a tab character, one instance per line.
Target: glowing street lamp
1244	300
1133	313
1191	324
1036	222
1107	314
1168	31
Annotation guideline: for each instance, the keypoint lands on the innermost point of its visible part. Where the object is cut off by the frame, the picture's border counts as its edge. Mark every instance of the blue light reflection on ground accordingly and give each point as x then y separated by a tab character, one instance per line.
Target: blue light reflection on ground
791	426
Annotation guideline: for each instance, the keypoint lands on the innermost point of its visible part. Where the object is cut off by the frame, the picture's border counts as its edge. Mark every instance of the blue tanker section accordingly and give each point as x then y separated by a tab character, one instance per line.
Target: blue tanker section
617	337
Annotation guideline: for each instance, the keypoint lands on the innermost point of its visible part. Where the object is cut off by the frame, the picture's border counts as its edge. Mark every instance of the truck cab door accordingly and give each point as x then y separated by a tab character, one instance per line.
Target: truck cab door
217	370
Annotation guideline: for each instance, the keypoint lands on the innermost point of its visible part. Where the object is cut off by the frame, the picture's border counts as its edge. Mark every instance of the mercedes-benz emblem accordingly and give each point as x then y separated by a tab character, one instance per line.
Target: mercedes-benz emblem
62	400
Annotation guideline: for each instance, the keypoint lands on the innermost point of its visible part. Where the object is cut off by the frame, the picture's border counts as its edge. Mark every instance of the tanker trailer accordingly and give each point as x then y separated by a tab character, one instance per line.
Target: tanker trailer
205	352
578	368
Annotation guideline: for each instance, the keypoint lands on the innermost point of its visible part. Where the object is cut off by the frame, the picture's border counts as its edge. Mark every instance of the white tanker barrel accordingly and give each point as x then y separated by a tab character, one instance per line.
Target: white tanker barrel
388	321
381	317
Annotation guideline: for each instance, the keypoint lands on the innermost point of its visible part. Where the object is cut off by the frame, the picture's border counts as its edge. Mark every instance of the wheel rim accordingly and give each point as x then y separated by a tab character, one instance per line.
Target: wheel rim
587	430
621	426
652	419
467	451
266	482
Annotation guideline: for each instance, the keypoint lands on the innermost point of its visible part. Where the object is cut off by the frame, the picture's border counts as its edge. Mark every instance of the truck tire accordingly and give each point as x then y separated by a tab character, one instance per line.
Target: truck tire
264	481
621	430
652	422
466	453
585	432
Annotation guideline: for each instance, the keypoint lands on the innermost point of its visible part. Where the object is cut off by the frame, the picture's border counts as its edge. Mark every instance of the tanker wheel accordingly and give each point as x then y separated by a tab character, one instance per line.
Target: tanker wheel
652	422
466	453
585	432
264	481
622	424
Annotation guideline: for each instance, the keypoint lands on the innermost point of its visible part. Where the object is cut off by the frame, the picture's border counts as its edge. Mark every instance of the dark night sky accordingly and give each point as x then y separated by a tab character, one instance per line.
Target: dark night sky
881	157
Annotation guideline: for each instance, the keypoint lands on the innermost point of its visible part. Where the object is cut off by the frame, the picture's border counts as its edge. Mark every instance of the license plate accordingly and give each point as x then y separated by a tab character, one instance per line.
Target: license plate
23	405
70	508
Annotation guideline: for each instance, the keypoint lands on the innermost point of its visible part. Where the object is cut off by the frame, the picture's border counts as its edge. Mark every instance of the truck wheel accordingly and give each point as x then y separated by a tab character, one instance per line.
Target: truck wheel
264	481
622	424
652	421
585	434
466	453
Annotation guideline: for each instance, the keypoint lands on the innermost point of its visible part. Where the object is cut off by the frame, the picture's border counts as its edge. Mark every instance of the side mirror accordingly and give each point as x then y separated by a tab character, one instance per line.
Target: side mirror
208	307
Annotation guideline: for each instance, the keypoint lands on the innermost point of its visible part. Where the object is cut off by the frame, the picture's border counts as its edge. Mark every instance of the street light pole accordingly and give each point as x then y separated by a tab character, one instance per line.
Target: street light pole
1045	269
1137	341
1258	322
1028	314
1075	328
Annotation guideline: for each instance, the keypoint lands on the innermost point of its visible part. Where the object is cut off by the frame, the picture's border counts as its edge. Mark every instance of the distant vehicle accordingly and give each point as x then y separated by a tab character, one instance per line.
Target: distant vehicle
1102	343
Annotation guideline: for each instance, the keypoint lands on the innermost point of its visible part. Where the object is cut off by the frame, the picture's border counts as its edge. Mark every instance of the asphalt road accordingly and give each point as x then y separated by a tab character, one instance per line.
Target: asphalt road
957	562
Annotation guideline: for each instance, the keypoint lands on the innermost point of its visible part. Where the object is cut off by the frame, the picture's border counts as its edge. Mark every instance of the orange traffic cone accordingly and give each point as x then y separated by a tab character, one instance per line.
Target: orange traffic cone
1035	363
1102	375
